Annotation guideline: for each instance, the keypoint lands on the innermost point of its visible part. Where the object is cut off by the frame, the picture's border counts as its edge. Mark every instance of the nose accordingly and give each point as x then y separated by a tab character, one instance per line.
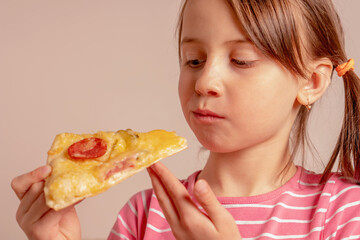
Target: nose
209	81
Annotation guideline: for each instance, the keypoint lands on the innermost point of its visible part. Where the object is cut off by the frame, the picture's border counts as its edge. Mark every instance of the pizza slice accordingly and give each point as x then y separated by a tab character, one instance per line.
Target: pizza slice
85	165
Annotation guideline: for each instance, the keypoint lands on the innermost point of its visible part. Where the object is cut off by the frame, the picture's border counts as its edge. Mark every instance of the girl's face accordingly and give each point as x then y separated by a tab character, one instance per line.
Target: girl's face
233	96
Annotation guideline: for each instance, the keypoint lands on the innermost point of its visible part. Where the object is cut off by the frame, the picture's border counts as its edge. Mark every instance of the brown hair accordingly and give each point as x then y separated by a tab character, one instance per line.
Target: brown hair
277	28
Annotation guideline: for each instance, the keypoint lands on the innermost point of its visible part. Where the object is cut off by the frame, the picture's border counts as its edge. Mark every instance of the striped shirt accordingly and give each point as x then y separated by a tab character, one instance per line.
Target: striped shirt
300	209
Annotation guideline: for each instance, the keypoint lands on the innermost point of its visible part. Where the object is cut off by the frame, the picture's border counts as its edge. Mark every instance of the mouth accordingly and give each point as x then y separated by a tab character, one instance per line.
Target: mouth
207	113
206	116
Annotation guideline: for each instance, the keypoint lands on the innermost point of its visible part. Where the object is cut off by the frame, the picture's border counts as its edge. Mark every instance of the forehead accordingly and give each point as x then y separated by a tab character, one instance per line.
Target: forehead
210	20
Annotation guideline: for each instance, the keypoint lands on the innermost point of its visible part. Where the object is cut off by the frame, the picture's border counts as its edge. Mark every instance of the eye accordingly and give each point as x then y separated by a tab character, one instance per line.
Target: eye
194	63
242	64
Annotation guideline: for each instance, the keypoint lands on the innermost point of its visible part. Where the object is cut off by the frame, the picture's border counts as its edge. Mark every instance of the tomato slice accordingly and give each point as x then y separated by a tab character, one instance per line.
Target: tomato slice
88	148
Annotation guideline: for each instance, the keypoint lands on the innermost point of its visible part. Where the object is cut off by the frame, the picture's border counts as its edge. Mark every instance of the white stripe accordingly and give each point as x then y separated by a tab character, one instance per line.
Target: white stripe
352	237
308	184
343	225
314	184
317	229
239	222
307	195
158	230
273	219
342	208
324	210
276	219
132	208
157	212
144	202
126	226
342	191
267	206
326	194
119	234
301	195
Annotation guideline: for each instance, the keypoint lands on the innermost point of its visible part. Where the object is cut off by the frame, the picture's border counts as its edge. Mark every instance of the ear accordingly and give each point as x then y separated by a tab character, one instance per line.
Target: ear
314	87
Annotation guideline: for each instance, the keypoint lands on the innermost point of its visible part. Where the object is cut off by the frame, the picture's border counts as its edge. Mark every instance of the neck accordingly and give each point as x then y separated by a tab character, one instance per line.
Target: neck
248	172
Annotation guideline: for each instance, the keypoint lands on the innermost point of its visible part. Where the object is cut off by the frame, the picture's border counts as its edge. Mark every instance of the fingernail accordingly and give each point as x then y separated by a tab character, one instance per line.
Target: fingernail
45	170
201	187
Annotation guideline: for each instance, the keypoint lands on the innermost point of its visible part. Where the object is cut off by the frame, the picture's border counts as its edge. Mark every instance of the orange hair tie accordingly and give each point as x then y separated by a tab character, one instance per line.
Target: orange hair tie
345	67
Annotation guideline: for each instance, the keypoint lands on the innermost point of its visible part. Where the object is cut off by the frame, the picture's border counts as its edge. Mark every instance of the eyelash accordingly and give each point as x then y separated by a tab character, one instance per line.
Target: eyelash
190	62
239	63
243	64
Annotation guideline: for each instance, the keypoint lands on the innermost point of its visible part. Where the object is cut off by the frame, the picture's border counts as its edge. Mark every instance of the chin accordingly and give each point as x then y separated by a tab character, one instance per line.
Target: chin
213	146
221	146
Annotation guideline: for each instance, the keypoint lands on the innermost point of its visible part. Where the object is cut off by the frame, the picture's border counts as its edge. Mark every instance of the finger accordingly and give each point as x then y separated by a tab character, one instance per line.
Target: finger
207	199
22	183
165	202
175	190
29	198
37	210
66	217
47	217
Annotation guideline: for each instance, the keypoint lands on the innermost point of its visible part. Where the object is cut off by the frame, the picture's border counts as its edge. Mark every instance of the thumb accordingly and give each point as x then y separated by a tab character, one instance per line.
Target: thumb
207	199
23	183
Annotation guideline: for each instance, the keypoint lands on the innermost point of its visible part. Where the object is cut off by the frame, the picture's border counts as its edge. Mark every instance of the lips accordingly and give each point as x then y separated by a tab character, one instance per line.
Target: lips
207	113
206	116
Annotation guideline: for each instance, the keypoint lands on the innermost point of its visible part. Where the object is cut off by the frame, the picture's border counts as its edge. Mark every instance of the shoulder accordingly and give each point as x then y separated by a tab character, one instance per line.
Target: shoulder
343	191
339	199
339	191
343	213
334	195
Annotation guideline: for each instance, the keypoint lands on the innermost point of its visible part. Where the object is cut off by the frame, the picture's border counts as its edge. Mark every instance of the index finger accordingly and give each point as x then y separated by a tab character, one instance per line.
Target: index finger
175	189
21	184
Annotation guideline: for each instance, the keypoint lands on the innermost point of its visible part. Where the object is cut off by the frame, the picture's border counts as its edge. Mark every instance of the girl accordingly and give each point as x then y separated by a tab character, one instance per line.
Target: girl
250	71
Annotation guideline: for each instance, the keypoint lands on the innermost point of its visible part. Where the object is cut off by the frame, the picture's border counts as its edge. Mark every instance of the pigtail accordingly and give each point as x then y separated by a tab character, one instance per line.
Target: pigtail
347	149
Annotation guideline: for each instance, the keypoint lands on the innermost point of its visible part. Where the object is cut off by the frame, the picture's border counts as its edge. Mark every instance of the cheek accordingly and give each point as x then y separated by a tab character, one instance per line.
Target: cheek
275	92
185	91
267	106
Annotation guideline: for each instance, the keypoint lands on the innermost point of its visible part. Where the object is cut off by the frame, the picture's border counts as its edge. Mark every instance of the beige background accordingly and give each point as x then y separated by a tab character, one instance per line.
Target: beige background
83	66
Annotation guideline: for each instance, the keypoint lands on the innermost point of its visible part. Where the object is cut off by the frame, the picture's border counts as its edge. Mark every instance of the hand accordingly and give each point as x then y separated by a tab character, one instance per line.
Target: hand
36	219
187	222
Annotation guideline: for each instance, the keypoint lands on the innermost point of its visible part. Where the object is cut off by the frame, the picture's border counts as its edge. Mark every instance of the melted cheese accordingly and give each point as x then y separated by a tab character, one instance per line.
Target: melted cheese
73	180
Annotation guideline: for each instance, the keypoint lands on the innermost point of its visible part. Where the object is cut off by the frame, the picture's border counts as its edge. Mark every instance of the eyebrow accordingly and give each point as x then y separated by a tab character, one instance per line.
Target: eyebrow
196	40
